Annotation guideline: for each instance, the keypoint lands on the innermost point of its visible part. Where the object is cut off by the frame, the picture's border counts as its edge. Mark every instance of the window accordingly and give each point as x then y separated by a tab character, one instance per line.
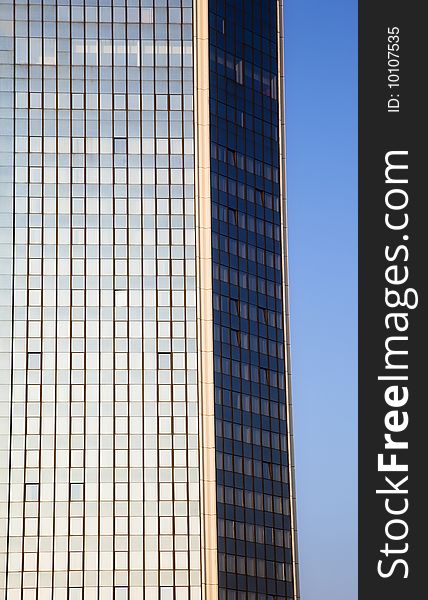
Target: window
120	593
31	492
76	491
120	145
34	360
164	360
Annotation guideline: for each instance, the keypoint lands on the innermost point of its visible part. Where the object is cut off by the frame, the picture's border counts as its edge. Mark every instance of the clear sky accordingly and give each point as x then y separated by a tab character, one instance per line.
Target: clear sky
321	113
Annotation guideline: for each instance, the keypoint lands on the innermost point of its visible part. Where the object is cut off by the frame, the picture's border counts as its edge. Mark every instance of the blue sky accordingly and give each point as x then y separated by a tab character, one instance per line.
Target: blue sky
321	113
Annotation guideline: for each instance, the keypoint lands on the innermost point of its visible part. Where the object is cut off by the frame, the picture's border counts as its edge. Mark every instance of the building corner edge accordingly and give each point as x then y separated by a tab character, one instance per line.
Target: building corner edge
286	302
204	303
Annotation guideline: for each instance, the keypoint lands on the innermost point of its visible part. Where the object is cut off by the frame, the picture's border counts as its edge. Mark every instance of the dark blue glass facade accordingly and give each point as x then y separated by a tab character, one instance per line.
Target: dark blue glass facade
253	496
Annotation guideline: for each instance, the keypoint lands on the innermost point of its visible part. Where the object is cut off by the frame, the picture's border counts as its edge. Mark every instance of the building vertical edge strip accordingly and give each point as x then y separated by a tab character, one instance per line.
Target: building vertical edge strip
7	141
204	300
286	302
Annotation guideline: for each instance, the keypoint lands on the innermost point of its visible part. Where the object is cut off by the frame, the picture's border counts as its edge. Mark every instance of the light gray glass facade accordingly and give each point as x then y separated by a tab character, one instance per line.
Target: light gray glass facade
107	393
100	474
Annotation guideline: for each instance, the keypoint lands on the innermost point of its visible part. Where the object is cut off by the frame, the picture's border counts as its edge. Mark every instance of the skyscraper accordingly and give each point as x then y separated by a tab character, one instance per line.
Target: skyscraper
145	441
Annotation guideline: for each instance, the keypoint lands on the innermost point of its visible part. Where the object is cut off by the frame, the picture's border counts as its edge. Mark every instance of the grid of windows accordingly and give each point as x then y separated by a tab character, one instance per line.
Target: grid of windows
100	468
253	509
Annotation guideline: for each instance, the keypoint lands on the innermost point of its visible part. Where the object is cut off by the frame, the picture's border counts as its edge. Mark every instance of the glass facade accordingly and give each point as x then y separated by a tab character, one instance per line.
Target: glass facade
142	291
253	495
100	460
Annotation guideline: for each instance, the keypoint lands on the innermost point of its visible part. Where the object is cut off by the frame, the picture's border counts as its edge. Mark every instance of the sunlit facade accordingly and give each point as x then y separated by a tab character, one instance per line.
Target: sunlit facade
145	439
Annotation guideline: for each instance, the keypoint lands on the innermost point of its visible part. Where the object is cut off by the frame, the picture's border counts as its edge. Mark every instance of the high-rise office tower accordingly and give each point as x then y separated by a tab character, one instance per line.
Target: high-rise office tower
145	441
